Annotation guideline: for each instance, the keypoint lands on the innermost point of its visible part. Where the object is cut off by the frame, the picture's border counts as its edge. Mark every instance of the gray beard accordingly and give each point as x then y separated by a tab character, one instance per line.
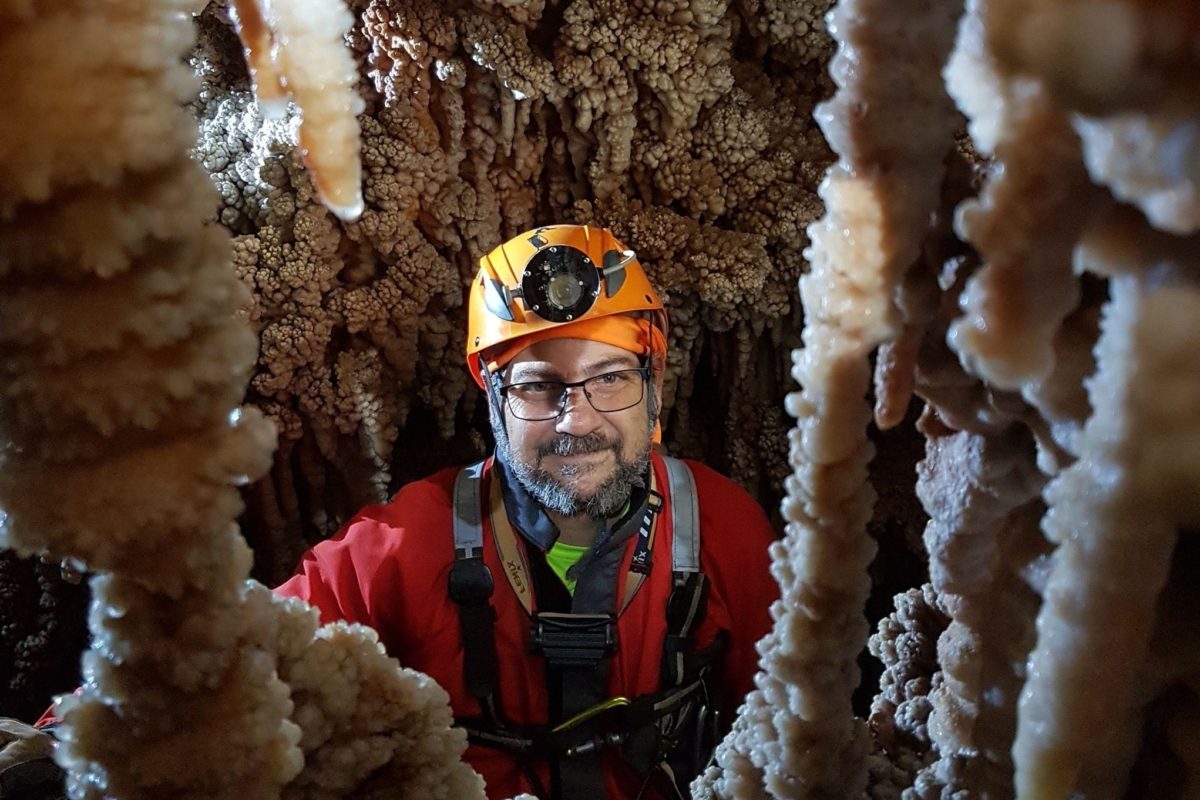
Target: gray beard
546	488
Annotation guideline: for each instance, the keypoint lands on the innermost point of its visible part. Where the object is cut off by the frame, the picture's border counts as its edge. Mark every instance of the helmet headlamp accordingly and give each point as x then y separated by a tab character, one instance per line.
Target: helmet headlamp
560	283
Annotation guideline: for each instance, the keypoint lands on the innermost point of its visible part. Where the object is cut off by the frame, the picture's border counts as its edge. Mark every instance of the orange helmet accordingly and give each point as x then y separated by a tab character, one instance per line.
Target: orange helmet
554	276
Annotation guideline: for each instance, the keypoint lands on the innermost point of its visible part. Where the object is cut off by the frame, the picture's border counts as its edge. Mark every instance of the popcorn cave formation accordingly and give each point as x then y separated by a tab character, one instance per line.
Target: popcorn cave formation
988	206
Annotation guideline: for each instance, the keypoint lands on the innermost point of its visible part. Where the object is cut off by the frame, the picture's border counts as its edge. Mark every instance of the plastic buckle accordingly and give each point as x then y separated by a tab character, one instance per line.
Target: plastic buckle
574	640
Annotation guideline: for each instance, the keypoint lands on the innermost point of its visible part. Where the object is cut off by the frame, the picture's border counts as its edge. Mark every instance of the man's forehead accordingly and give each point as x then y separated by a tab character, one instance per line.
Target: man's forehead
567	355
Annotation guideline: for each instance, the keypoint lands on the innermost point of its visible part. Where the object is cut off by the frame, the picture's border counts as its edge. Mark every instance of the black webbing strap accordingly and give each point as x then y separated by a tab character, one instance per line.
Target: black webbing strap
564	741
685	609
574	641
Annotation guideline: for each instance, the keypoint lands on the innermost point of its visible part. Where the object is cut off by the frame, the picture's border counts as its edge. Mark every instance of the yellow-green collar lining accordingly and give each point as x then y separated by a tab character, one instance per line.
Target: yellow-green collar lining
561	557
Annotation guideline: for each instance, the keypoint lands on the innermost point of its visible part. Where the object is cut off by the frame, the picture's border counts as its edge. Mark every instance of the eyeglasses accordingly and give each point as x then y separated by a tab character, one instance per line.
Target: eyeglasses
535	401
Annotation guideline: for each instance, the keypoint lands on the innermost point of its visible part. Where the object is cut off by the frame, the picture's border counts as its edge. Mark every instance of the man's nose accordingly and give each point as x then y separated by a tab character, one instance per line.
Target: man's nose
578	417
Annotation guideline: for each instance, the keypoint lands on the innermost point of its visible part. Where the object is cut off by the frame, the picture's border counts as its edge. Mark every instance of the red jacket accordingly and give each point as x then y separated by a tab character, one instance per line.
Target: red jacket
389	568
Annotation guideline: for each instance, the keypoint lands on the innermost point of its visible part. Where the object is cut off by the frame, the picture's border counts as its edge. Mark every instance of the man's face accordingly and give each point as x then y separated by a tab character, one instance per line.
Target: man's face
584	462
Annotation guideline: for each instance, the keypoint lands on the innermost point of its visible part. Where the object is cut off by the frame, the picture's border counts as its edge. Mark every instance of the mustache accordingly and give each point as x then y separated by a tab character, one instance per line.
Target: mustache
567	445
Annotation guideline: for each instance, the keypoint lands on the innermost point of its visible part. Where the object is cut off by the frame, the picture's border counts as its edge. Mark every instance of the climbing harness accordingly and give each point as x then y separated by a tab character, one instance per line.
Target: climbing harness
575	646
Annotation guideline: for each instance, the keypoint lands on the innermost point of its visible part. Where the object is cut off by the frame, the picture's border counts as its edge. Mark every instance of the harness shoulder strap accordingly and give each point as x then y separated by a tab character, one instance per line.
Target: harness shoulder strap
471	588
685	516
687	603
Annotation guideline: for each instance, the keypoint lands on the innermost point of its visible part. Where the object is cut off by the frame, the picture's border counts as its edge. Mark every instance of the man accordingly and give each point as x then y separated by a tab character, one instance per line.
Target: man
591	607
566	621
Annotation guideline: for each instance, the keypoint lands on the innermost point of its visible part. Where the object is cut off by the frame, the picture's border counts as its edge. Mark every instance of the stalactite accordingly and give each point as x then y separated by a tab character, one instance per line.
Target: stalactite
796	737
123	447
1038	179
1114	516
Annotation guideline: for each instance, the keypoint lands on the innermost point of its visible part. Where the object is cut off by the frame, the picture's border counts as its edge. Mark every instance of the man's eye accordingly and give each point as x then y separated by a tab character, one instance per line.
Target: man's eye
608	378
534	388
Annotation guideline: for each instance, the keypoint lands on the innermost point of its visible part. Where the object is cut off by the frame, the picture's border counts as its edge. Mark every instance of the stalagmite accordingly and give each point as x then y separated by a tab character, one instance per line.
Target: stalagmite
981	492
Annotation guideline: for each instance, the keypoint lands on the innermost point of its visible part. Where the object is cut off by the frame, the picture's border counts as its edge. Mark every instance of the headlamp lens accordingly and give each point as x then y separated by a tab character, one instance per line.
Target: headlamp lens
564	291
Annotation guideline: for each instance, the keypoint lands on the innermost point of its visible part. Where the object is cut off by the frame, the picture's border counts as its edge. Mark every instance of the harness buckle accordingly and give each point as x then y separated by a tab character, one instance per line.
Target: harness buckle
471	582
574	640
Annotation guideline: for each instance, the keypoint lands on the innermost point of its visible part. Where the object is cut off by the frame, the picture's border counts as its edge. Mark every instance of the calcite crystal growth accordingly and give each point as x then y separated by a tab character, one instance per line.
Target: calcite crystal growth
673	123
1030	483
1023	225
982	494
122	447
1033	280
133	471
1052	670
1129	69
796	736
1115	516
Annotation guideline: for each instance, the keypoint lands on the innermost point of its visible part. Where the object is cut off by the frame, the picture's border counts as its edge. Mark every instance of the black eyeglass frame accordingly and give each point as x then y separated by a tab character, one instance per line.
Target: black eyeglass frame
643	370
